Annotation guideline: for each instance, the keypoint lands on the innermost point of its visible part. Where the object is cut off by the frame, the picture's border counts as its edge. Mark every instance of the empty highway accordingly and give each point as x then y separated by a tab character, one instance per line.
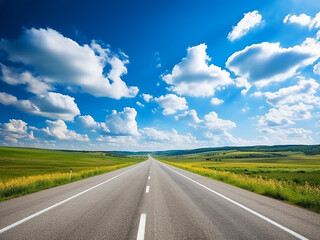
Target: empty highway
152	200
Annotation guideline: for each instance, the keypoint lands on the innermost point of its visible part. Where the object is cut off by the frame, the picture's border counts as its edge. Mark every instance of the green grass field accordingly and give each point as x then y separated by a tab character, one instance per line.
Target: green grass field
26	170
19	162
290	176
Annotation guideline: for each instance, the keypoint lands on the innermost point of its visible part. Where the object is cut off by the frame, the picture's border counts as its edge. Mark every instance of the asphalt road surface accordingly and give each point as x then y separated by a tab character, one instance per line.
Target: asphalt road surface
152	200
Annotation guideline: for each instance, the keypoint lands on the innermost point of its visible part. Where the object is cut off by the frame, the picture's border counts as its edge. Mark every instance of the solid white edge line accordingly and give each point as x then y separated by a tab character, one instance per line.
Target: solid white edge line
297	235
147	189
60	203
142	226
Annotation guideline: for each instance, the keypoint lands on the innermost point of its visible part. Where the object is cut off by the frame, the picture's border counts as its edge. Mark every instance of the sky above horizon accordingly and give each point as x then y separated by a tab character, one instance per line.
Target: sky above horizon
159	75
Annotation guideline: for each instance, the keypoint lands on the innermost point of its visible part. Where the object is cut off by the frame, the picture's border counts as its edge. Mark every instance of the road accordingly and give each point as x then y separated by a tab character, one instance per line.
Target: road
152	200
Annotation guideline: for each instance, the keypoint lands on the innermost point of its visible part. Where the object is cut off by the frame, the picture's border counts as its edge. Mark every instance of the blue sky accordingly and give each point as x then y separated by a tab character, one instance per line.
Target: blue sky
156	75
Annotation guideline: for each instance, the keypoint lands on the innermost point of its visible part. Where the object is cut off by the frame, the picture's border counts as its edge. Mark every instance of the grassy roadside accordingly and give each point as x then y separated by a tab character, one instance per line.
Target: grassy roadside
24	171
304	195
24	185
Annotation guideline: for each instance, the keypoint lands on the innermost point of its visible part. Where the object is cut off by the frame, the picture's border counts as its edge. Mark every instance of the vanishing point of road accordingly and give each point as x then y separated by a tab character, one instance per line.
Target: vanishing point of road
152	200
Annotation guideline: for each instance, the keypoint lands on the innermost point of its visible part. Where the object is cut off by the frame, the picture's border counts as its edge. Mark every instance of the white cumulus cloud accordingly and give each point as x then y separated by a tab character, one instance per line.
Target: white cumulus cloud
123	123
116	124
151	134
171	103
59	130
194	77
249	21
303	20
34	84
52	105
286	136
191	117
211	127
215	124
88	122
243	82
139	104
211	121
304	91
119	141
15	130
264	63
285	115
216	101
58	60
147	97
316	68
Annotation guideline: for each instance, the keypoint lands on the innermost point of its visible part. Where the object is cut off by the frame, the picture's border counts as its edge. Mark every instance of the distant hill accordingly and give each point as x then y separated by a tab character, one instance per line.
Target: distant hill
306	149
126	153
